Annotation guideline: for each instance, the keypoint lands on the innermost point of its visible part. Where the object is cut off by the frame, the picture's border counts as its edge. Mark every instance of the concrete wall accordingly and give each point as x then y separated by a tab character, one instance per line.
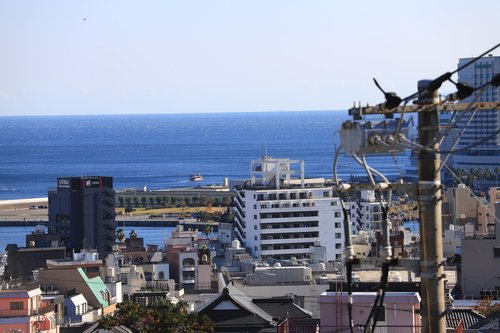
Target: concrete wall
400	310
480	266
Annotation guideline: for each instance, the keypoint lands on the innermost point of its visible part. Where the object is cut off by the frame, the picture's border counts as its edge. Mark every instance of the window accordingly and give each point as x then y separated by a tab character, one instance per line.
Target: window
337	214
496	252
337	224
338	257
338	235
254	206
326	194
255	227
334	203
338	245
16	305
255	217
255	237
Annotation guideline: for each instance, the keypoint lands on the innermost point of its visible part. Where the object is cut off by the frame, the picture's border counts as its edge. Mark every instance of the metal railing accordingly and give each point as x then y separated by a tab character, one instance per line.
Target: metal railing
378	329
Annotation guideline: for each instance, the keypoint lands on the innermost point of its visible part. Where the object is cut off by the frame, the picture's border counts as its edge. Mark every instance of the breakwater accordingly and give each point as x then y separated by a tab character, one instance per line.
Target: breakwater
129	223
169	223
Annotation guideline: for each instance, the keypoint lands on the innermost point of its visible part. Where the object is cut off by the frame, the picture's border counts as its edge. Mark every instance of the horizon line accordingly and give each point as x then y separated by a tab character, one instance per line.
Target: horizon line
168	113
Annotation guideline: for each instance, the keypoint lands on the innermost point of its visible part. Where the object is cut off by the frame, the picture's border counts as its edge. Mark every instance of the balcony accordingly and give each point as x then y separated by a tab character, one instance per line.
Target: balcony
291	219
287	251
239	201
289	241
239	214
25	312
290	229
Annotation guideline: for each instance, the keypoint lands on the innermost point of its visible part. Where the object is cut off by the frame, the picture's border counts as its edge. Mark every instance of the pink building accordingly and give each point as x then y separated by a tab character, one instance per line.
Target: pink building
22	309
400	313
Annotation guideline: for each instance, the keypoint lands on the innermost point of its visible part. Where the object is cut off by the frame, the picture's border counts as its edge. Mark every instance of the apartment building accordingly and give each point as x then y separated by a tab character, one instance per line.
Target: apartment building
280	214
22	309
366	214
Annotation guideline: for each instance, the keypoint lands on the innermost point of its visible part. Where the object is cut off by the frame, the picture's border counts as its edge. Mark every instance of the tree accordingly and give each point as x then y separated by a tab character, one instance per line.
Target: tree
486	308
143	201
207	230
160	317
132	234
120	235
217	202
226	201
121	200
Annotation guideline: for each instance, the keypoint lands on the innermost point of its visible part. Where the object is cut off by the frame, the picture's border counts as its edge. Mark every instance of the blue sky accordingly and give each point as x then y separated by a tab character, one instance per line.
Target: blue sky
106	57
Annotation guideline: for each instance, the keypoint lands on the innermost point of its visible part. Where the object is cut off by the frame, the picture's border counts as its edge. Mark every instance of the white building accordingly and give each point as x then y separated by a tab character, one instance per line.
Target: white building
367	213
279	216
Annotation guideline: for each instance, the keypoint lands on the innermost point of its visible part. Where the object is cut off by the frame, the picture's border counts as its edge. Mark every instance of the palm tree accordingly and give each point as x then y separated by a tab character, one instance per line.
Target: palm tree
165	201
480	174
120	235
132	234
488	174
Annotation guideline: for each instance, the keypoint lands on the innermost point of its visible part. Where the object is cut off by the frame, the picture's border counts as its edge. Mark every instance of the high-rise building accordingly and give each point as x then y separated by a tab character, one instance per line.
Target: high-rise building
82	212
280	216
481	161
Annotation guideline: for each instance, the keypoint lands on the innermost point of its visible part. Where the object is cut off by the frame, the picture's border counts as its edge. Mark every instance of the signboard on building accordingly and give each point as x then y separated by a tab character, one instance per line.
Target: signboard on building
63	183
91	182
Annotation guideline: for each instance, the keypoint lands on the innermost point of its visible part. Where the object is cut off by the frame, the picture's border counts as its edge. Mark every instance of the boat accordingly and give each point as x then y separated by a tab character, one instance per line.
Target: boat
195	178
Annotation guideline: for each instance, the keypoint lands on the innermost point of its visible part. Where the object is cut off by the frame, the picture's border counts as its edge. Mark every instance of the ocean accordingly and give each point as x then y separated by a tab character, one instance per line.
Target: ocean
151	235
161	151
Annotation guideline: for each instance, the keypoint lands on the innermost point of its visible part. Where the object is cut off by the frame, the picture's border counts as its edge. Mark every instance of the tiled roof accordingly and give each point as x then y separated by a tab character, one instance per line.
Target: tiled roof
467	316
489	324
282	307
236	311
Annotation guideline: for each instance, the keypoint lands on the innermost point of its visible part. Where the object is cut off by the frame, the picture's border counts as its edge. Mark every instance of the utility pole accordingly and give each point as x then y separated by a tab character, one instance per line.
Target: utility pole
365	140
429	202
